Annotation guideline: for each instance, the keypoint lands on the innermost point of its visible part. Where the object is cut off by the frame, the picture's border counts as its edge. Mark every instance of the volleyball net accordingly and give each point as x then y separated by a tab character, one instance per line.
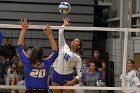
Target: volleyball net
115	51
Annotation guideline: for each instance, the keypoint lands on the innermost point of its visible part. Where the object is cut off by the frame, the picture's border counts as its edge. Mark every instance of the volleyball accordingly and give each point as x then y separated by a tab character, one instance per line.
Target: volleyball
64	7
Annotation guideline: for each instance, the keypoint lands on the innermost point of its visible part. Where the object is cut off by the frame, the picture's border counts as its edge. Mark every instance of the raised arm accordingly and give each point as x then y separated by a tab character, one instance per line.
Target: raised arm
62	41
48	32
24	24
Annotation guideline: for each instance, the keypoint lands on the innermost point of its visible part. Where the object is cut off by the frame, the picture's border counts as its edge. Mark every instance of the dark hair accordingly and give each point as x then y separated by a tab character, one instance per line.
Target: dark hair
80	50
91	63
96	49
36	55
131	61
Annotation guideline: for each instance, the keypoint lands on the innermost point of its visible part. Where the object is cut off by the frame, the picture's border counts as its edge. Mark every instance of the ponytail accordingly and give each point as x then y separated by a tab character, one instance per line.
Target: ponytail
36	55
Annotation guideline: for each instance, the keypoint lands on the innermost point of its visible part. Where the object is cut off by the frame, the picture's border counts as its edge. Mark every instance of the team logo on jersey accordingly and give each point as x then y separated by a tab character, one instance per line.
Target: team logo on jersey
66	57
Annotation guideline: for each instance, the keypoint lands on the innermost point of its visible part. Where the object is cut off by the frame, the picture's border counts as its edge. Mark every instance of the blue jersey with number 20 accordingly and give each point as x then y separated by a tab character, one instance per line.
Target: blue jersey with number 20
36	77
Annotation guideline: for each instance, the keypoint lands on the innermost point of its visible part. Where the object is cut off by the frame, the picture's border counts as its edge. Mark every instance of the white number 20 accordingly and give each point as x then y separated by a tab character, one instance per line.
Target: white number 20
38	73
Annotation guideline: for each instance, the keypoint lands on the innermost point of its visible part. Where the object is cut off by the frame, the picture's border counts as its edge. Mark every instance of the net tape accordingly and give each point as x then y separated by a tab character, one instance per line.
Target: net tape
14	26
75	88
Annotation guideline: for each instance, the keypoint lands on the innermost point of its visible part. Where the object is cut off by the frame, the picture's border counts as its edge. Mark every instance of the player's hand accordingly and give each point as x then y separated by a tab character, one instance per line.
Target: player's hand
47	30
69	83
24	24
66	21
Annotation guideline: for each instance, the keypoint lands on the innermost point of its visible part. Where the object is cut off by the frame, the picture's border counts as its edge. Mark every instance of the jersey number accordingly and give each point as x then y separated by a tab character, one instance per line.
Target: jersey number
66	57
38	73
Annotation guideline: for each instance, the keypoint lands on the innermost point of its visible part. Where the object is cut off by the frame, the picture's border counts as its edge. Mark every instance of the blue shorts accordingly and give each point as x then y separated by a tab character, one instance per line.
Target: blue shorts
61	79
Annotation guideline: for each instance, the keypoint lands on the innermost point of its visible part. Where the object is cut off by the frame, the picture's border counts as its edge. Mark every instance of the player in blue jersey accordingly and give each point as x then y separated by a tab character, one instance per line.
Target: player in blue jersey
1	36
36	68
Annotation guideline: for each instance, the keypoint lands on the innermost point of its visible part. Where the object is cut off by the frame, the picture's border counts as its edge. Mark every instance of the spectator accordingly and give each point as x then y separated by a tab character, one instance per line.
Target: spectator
99	62
27	50
21	83
12	78
20	71
91	77
84	65
8	52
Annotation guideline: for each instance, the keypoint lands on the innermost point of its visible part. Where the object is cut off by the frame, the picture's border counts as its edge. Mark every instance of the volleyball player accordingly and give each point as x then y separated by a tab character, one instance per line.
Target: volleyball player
68	58
36	69
131	76
139	77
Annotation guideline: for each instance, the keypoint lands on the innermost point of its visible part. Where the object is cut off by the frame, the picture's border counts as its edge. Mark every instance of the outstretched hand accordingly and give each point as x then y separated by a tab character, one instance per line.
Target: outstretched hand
24	24
66	21
47	30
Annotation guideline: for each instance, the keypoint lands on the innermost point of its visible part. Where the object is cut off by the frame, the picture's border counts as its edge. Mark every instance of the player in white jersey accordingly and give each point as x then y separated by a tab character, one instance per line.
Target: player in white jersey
68	58
138	86
131	77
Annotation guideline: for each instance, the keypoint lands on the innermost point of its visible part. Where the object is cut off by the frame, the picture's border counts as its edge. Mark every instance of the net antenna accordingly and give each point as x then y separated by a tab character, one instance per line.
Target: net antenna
125	52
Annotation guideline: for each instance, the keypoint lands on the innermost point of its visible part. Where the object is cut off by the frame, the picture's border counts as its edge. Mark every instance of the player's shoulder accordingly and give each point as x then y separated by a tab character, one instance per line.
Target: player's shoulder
66	46
77	56
133	72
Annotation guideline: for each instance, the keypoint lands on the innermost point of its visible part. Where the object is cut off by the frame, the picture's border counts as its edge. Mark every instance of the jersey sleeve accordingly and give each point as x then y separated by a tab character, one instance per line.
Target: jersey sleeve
78	68
51	58
136	80
22	54
61	38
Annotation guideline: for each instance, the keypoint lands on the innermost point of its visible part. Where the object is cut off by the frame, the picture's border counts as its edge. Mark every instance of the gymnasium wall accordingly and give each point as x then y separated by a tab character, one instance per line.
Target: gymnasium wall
41	12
